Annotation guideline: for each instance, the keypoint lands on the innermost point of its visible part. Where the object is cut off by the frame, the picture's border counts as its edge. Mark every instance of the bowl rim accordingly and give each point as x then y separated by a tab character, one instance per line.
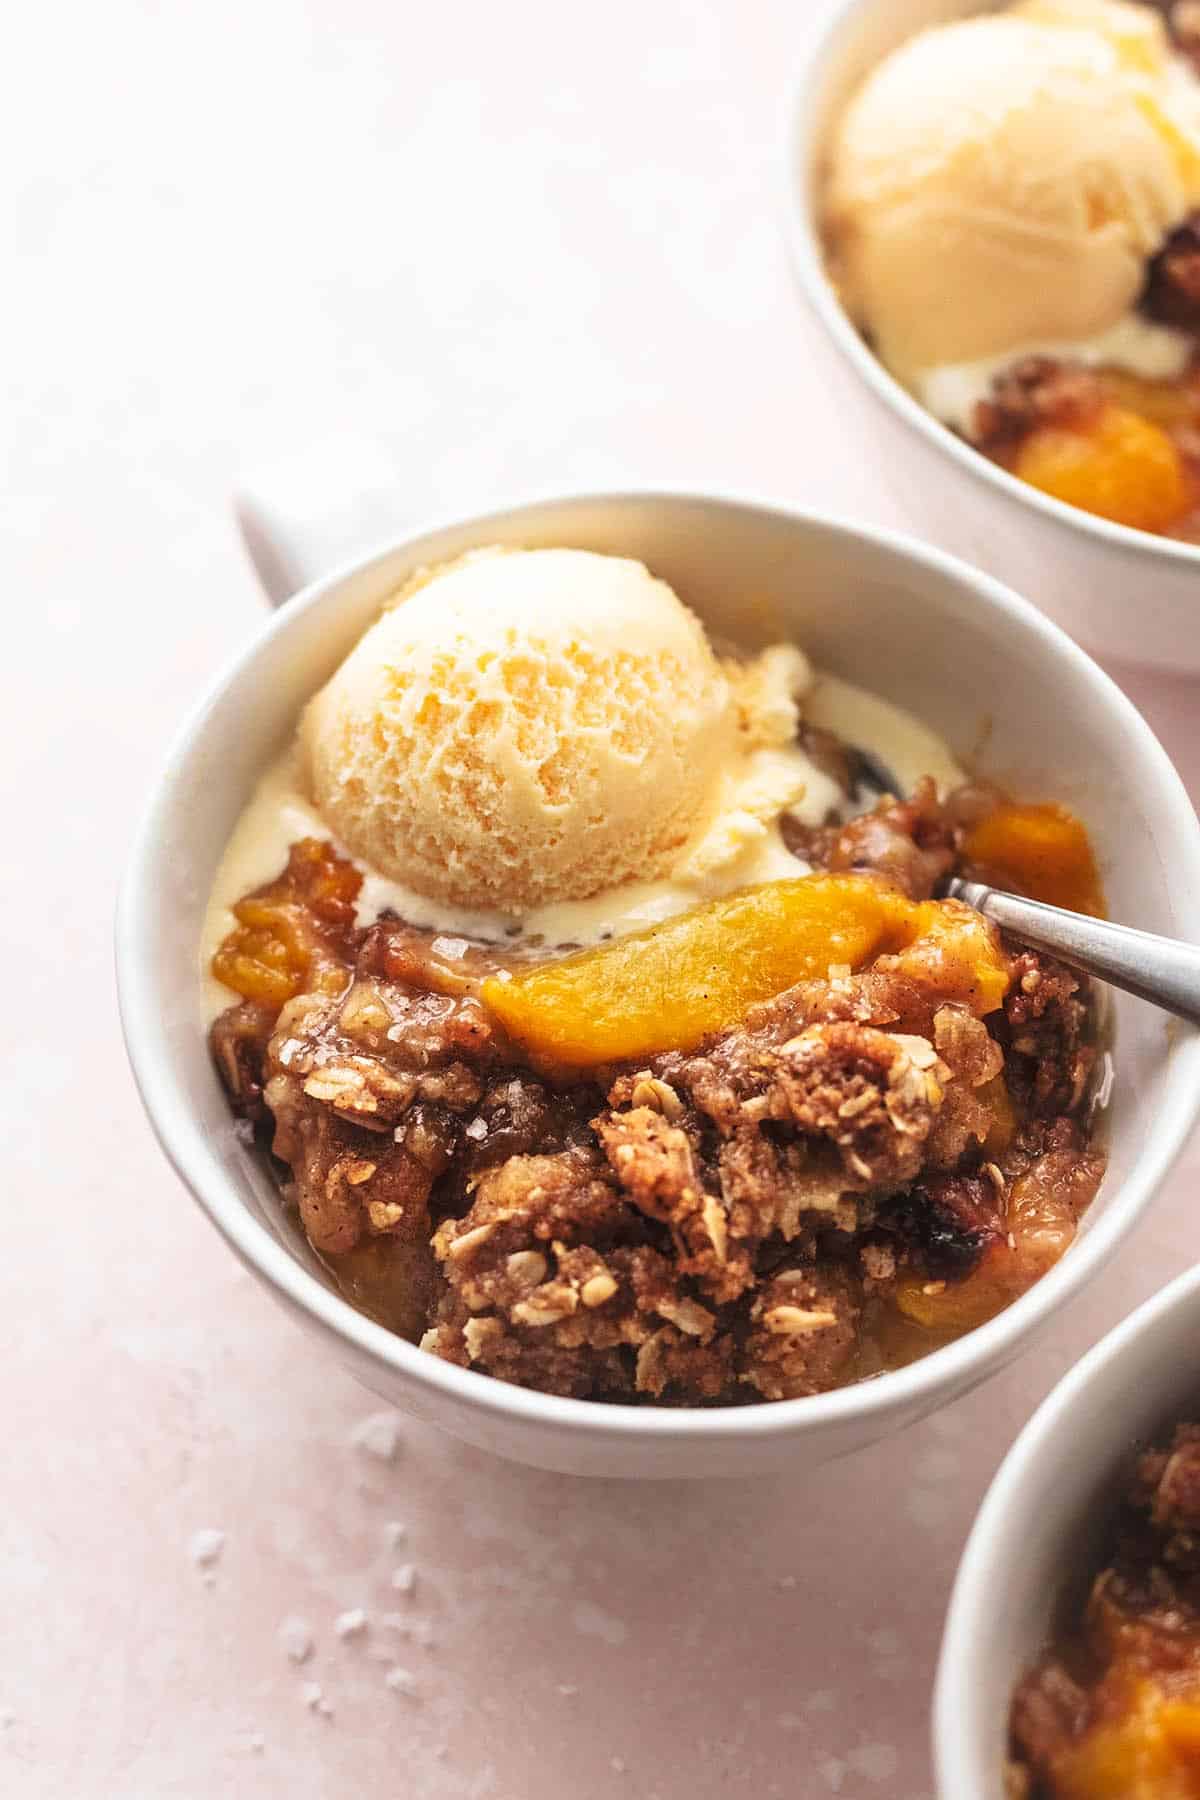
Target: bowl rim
802	233
984	1561
917	1386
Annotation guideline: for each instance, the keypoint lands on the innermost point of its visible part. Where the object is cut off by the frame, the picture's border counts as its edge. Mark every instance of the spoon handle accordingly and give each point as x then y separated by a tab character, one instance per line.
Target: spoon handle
1158	969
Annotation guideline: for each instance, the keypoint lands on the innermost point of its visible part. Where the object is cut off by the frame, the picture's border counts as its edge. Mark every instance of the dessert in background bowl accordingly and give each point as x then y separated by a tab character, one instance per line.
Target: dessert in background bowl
1111	1710
895	620
602	1015
993	211
1011	219
1070	1666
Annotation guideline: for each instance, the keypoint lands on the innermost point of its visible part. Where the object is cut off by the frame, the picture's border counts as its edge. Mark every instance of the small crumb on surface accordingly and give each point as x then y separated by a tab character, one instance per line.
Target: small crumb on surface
296	1638
404	1579
927	1506
617	1765
257	1744
205	1546
878	1762
395	1532
378	1435
351	1623
314	1698
567	1688
402	1681
593	1621
938	1465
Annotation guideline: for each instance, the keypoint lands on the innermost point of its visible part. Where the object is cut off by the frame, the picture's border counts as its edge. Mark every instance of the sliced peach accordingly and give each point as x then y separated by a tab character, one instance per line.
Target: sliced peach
668	987
1118	465
1145	1750
957	1306
285	939
262	959
1044	851
1040	1214
1180	1721
671	986
954	953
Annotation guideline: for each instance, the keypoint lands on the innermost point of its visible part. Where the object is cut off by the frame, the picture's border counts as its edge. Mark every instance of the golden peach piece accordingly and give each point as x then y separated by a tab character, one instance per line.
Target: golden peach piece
1118	465
1042	1208
952	951
1043	851
1150	1750
957	1306
262	958
670	986
277	948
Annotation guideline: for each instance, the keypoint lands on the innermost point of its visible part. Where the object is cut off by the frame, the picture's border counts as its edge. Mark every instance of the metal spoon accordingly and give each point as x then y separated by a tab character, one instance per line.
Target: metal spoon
870	775
1158	969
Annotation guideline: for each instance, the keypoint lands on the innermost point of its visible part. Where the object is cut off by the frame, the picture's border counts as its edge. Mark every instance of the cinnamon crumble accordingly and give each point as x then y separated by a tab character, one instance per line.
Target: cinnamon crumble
863	1165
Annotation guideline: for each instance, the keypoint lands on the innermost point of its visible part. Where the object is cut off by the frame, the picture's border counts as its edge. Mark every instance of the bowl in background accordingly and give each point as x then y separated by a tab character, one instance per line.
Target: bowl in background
911	623
1126	594
1041	1517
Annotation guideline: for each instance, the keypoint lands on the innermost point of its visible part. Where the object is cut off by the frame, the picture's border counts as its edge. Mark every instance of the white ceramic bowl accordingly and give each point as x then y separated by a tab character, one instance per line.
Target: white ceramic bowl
909	622
1053	1489
1126	594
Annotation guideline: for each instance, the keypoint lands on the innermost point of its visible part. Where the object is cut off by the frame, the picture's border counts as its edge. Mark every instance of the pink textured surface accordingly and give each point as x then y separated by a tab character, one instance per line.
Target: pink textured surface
520	246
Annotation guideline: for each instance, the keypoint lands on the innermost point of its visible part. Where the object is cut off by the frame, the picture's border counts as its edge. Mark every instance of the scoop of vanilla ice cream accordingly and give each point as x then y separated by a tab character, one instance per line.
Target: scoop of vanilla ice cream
767	775
1001	181
524	727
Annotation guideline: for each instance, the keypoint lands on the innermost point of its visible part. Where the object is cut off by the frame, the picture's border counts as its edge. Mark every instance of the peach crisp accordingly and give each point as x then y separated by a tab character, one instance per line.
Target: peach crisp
771	1145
